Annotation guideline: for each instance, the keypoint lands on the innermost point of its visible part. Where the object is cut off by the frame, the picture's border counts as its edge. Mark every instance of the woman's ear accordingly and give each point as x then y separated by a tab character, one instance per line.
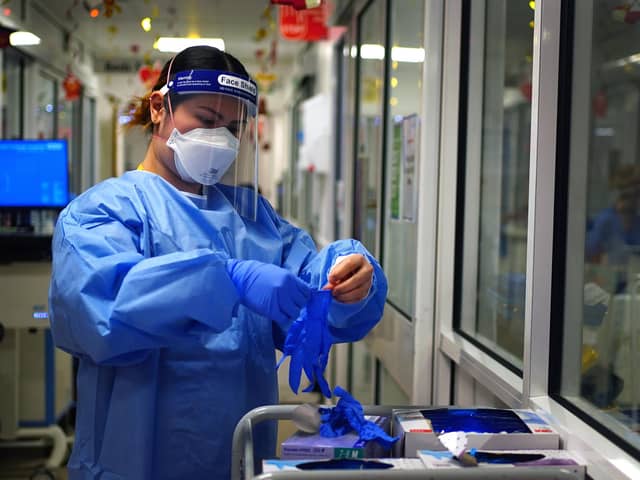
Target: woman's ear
156	107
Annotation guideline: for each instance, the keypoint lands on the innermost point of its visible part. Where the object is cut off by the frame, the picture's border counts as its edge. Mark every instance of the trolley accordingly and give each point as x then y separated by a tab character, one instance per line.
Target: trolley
242	458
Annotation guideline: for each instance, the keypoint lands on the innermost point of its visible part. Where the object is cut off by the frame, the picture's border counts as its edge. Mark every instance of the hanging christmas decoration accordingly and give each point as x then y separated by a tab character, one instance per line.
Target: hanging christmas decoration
265	81
298	4
628	12
69	15
304	25
261	34
526	89
4	36
600	104
266	55
111	7
149	74
107	7
71	85
273	53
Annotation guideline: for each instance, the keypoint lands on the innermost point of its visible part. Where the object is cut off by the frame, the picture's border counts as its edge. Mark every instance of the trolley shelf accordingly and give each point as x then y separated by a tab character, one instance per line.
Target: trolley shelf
242	458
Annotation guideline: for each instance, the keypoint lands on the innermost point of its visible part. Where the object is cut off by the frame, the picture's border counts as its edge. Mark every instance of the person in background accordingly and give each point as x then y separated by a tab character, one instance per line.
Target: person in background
615	232
173	285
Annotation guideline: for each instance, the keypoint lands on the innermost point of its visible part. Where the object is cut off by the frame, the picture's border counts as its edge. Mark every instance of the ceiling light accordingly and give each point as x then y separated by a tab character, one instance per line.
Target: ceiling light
372	52
22	38
177	44
369	51
407	54
145	23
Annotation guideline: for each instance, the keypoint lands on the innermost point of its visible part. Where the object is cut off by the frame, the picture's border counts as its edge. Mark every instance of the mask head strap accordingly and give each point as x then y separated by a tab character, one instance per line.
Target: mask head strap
165	89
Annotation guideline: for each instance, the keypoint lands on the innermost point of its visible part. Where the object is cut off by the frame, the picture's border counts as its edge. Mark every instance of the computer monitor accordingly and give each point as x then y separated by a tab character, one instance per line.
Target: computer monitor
34	173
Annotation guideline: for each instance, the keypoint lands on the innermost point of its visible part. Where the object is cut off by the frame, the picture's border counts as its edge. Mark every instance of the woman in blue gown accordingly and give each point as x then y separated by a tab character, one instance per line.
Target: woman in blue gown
174	302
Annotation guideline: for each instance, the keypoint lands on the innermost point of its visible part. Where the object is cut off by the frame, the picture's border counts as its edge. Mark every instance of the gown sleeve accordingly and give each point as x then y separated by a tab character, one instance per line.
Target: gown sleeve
347	322
111	303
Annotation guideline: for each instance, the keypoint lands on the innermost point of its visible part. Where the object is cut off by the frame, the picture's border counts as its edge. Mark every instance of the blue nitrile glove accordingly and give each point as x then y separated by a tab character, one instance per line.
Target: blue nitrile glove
348	415
269	290
308	343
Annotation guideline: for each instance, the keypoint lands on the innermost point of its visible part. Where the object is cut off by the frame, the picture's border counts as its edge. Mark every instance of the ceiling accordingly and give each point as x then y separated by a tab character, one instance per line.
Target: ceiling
121	36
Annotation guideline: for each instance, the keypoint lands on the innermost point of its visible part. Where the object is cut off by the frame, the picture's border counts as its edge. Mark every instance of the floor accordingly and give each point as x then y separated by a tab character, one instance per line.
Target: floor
23	463
20	463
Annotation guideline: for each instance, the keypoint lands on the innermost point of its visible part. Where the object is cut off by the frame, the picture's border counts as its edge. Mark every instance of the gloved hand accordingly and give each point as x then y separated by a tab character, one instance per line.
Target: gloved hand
269	290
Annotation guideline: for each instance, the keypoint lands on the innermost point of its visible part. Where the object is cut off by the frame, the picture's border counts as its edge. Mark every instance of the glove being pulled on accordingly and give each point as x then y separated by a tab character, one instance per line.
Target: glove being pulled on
269	290
308	343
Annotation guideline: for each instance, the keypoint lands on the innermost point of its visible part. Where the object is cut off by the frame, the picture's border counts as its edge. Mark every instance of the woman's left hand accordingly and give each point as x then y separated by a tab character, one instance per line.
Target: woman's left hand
350	280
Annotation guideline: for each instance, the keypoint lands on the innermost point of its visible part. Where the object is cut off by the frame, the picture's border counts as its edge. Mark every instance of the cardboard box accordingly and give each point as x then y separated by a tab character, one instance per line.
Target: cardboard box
276	465
417	431
530	459
313	446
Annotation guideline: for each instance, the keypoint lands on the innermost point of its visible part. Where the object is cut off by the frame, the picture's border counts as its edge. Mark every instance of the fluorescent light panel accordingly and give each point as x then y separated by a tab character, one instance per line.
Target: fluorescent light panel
369	51
177	44
23	38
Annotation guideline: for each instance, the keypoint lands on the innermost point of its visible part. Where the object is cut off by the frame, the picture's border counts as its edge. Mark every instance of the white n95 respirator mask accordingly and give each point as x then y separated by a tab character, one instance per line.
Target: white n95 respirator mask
203	155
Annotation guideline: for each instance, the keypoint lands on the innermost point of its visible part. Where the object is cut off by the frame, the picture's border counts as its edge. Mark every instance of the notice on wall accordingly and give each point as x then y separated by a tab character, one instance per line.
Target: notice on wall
410	156
396	171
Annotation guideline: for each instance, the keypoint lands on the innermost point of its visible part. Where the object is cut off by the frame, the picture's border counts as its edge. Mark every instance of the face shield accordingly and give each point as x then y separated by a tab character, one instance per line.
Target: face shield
219	145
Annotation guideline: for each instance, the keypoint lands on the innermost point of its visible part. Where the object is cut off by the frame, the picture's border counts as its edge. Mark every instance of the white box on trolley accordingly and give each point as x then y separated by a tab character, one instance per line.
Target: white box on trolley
485	428
501	459
278	465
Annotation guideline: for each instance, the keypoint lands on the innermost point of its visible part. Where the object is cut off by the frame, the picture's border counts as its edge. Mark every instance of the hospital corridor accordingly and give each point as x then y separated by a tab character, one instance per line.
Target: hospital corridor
299	239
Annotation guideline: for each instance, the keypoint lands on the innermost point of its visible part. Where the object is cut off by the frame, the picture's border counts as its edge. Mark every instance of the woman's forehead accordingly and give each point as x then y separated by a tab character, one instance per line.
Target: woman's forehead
216	101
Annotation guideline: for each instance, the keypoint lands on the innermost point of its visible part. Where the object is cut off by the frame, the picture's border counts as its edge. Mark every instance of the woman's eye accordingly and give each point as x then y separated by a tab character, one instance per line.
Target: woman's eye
207	121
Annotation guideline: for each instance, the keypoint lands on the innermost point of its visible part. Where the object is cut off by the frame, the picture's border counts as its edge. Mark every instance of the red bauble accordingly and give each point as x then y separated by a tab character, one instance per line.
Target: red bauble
72	87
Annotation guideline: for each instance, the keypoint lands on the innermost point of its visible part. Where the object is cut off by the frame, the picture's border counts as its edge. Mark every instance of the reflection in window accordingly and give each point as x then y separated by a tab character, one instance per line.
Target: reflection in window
361	379
497	175
403	153
370	127
11	95
44	118
391	393
601	350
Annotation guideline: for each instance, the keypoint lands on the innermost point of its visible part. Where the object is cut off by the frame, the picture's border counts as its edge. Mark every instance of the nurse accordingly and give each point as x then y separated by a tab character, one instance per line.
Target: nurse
173	285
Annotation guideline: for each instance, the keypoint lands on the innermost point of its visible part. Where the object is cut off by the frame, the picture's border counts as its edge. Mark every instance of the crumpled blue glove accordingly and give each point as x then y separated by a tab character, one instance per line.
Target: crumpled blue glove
269	290
348	415
308	344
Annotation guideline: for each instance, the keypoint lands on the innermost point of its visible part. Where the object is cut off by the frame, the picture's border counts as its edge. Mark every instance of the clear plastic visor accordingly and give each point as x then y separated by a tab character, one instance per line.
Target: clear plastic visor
226	121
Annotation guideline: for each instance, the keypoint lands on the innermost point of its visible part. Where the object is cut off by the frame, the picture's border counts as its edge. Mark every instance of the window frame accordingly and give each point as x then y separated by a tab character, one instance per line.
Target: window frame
455	353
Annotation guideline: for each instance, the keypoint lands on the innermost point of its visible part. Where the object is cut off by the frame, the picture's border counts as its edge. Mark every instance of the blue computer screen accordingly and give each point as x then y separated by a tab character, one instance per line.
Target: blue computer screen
33	173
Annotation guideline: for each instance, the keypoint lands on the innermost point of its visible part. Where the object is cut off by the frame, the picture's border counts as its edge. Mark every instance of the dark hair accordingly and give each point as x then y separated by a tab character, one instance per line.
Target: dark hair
200	57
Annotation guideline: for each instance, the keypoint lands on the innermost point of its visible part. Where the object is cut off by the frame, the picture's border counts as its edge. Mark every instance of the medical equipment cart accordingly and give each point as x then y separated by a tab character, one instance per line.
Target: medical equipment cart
242	458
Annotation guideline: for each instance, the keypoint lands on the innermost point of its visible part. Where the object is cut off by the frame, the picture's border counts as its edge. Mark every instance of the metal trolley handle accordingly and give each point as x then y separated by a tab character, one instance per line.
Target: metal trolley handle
242	458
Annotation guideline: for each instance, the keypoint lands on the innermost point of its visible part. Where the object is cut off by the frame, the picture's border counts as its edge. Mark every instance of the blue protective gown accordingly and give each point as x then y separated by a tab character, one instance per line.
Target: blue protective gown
169	361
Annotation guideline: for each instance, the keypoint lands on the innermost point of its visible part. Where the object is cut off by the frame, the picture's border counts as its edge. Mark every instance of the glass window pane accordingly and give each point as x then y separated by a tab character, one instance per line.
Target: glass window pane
45	107
390	391
601	349
369	108
68	112
12	94
403	152
362	374
497	175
